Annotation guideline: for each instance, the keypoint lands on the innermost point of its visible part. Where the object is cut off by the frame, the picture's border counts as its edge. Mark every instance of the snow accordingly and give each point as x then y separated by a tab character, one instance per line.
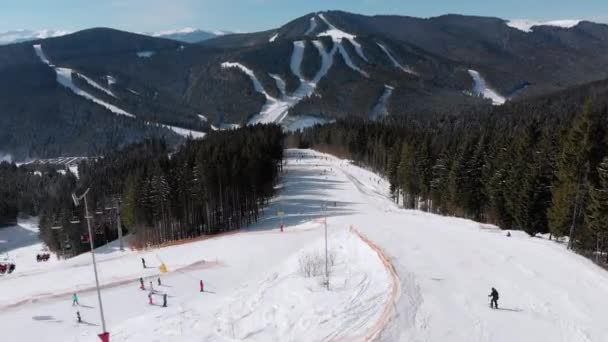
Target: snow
186	132
184	30
400	275
349	61
97	85
312	27
20	35
338	35
396	64
41	55
300	122
280	83
277	109
257	85
202	117
111	80
480	88
64	77
145	54
380	109
526	25
273	38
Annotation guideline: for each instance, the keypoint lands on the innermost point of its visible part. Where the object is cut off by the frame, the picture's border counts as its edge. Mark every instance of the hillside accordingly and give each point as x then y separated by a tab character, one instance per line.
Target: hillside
314	69
398	275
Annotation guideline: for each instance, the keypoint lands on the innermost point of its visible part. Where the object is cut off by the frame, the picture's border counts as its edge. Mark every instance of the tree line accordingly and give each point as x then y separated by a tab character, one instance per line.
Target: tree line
540	166
207	186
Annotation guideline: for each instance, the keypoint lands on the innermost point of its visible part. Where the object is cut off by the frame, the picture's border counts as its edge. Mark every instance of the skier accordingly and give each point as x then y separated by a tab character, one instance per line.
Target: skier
202	286
164	300
78	317
151	286
494	301
150	298
75	299
159	284
141	283
508	234
143	262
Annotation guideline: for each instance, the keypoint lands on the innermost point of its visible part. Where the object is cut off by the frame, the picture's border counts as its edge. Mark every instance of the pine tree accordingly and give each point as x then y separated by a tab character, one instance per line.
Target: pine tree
597	211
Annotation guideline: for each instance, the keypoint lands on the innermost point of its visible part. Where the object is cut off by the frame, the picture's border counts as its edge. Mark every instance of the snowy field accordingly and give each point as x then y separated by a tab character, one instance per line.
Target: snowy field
397	275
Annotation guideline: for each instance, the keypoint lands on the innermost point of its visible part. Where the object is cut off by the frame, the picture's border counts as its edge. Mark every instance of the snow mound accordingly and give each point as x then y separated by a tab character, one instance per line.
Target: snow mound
380	109
480	88
396	64
526	25
300	308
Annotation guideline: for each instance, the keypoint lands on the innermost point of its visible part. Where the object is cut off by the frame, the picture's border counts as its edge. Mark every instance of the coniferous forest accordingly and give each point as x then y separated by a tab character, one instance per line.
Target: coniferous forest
207	186
540	166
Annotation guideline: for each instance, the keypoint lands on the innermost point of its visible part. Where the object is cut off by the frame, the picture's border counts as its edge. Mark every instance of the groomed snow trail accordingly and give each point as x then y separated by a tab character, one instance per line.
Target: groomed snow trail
393	60
481	88
445	267
64	77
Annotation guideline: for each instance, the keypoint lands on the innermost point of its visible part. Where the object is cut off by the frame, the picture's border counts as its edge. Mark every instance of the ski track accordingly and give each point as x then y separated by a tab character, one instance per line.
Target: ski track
481	88
64	77
380	109
401	275
275	110
393	60
312	27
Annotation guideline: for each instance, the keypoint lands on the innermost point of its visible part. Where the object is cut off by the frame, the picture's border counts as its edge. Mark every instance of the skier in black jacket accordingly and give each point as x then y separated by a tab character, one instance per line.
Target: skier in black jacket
494	301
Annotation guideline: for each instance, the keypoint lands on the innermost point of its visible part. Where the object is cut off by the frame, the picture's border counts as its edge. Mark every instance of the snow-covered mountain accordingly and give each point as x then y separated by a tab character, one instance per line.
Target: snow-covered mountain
189	34
22	35
316	68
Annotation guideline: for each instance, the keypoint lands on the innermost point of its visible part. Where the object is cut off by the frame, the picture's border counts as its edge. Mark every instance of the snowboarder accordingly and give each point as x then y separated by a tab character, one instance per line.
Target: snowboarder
78	317
164	300
494	301
75	299
202	286
143	262
141	283
159	284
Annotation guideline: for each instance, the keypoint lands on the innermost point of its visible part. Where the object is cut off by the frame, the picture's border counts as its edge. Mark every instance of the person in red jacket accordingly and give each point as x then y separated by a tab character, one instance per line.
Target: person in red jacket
202	286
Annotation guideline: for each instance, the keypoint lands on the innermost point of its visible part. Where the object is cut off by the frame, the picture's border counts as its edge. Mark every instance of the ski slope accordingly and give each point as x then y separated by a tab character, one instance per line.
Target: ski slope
400	275
481	88
527	25
393	60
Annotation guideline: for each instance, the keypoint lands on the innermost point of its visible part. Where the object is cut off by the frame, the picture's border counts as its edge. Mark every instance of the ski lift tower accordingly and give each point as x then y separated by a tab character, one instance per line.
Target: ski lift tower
104	336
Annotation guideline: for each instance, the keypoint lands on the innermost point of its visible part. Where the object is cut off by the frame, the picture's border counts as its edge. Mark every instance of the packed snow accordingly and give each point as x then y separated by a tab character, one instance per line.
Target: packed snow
481	88
396	64
41	55
277	109
145	54
111	80
380	109
96	85
399	275
273	37
64	77
526	25
312	27
280	83
338	35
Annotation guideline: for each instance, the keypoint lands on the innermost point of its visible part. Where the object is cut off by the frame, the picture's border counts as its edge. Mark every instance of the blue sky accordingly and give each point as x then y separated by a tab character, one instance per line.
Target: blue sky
255	15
